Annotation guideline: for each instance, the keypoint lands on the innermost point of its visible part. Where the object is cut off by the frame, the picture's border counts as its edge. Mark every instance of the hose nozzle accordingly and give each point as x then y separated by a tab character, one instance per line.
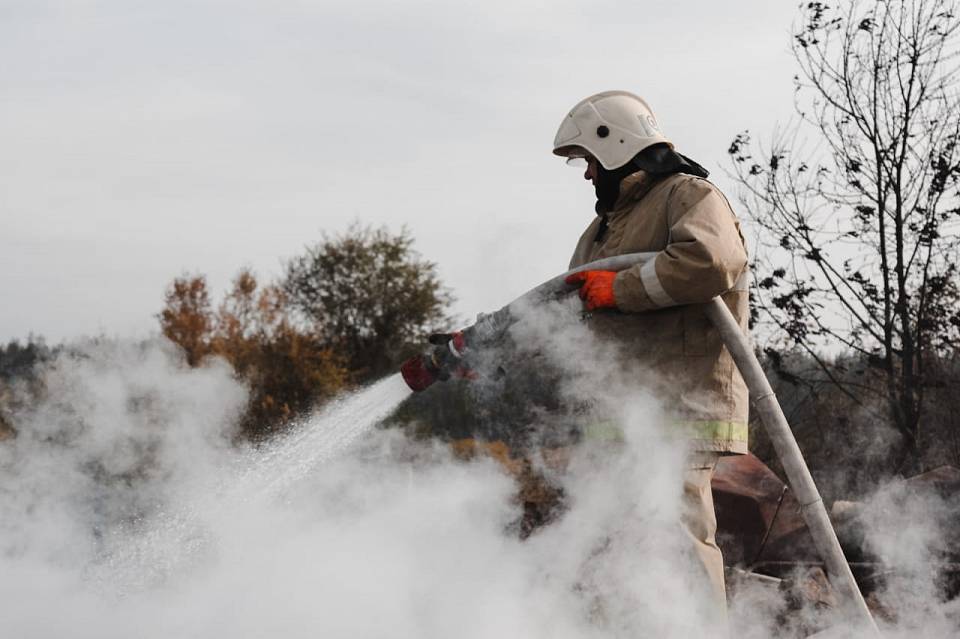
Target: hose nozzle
416	373
437	363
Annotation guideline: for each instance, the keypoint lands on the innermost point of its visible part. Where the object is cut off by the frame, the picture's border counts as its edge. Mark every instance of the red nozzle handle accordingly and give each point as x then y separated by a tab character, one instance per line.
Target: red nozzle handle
416	374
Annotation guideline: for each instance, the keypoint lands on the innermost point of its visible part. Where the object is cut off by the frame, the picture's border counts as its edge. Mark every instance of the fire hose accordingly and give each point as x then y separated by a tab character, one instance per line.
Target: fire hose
449	350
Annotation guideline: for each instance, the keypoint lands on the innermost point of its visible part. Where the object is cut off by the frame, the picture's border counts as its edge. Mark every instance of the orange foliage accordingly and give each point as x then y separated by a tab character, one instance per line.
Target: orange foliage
186	318
286	370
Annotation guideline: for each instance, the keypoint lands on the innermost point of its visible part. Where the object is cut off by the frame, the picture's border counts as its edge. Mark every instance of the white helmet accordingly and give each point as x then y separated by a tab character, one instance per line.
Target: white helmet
612	126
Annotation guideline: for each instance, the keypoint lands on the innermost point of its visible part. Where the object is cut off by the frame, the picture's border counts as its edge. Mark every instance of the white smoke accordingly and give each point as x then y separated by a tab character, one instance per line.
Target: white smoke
910	530
126	510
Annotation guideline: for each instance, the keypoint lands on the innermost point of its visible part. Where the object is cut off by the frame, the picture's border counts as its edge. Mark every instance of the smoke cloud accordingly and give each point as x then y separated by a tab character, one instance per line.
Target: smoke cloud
126	509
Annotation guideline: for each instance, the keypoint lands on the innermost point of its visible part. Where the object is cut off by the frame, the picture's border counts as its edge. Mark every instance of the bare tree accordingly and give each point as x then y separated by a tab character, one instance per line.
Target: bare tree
858	201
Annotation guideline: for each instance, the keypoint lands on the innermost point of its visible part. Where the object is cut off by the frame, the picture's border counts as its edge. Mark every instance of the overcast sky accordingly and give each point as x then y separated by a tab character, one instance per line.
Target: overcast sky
143	140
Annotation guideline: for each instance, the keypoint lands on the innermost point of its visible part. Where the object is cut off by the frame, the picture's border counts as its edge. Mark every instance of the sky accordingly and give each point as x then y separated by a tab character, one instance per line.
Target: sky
140	141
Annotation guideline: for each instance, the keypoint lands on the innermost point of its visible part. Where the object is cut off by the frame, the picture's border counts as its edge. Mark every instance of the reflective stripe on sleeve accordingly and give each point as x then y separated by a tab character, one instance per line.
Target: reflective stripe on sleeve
743	282
648	276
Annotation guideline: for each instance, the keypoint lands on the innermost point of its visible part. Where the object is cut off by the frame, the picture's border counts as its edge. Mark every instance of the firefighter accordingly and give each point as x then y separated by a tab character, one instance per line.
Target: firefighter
652	199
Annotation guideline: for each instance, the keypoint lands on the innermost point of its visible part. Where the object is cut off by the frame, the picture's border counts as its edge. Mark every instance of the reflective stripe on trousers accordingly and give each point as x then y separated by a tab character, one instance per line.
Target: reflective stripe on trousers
715	430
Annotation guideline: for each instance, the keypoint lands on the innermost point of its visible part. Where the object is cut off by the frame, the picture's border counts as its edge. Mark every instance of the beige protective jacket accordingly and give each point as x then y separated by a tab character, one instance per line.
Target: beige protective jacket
660	325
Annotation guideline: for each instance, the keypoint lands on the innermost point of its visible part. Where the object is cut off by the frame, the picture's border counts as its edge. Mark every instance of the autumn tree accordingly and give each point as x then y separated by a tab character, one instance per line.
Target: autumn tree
345	312
287	371
858	203
187	317
369	296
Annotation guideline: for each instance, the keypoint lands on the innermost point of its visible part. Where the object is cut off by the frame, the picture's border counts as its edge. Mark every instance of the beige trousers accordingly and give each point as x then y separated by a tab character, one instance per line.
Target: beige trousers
700	524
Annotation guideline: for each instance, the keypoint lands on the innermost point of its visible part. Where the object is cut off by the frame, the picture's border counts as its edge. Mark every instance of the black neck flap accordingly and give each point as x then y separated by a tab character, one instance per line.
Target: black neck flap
659	160
662	160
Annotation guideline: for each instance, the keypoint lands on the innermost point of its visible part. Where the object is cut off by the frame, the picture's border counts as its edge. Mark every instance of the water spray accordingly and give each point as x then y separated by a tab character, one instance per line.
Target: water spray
448	353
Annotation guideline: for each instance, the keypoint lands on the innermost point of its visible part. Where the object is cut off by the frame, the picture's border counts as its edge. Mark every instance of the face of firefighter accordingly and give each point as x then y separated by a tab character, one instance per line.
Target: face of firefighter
591	171
590	165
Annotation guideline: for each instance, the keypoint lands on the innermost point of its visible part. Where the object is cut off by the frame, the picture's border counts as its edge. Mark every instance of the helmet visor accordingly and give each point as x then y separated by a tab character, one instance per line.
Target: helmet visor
577	156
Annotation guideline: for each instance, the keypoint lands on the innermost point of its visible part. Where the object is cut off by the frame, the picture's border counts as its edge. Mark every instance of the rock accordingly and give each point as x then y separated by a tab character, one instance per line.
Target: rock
758	518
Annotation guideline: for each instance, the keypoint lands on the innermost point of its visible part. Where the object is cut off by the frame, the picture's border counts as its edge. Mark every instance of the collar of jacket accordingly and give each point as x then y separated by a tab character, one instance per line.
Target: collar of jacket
632	189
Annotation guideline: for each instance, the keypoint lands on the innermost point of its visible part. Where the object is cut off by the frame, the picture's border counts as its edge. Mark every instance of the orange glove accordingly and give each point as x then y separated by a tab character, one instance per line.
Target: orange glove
596	288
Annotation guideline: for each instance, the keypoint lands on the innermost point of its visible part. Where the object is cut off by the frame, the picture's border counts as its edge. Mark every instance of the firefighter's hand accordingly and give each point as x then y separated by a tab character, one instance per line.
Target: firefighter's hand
448	356
596	288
